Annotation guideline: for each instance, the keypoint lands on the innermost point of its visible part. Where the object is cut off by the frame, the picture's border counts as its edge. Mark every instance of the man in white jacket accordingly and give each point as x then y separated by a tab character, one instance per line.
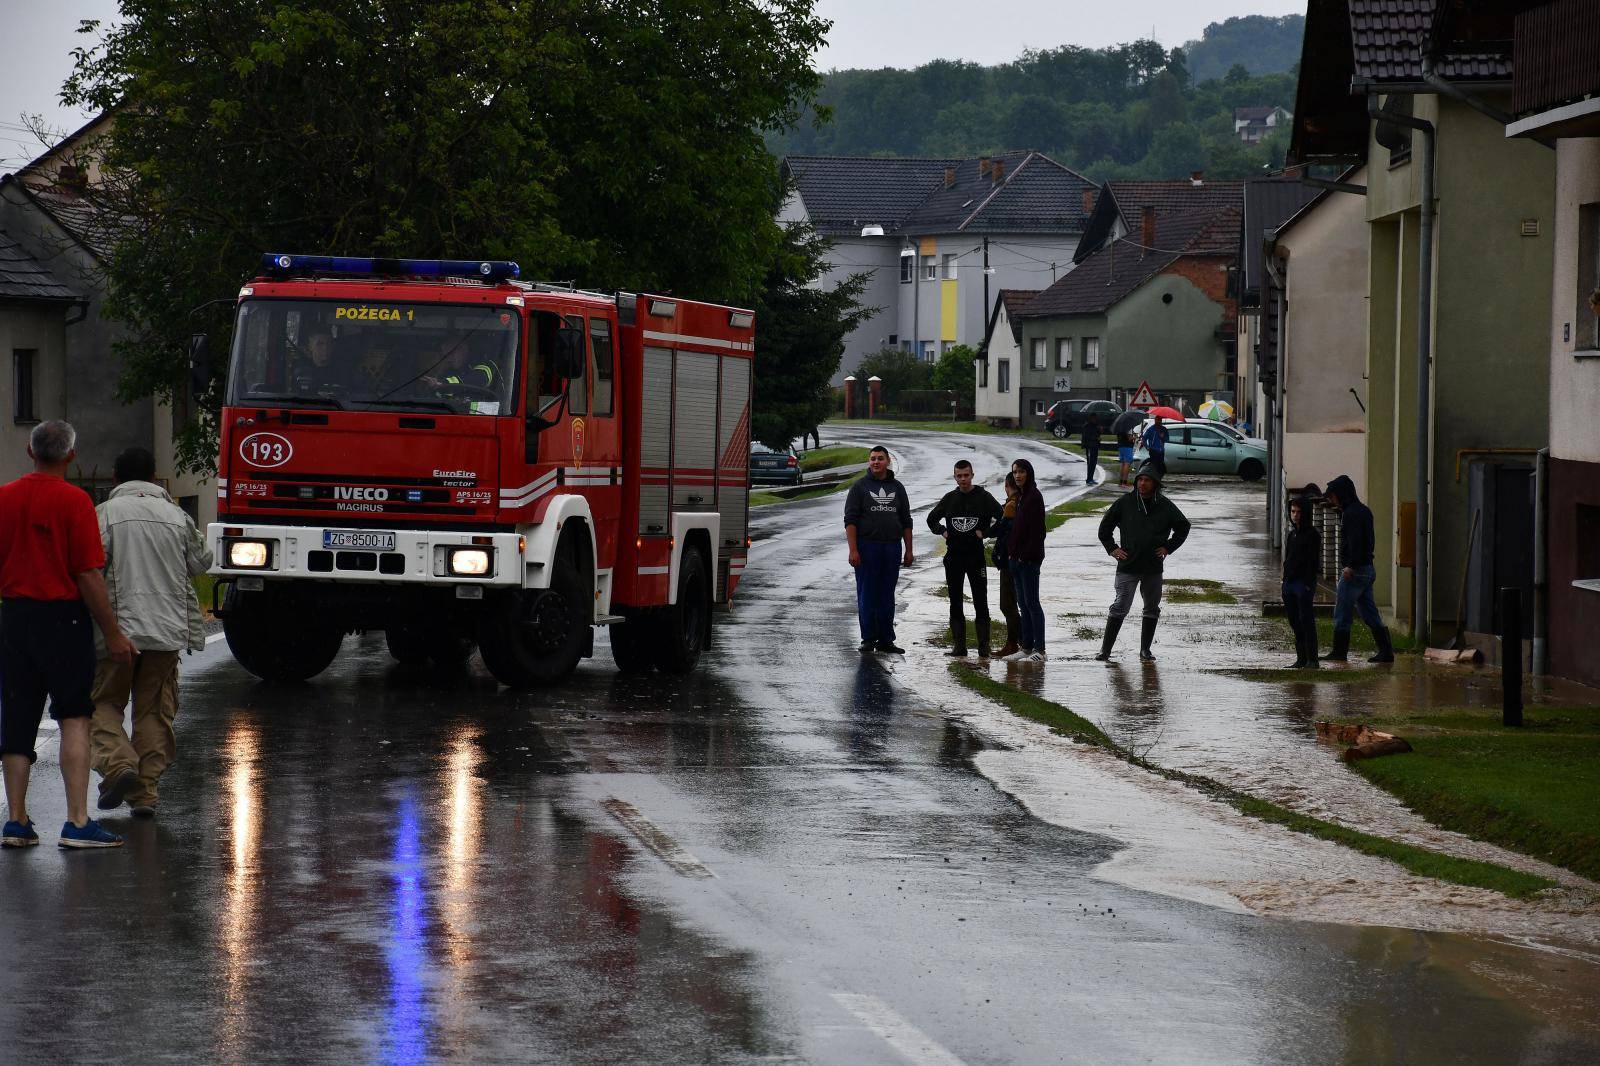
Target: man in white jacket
153	550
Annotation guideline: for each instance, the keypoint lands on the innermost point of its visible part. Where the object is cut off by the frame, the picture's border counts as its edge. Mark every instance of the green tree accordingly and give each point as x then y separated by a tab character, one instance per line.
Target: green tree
899	370
1175	151
800	331
618	144
955	373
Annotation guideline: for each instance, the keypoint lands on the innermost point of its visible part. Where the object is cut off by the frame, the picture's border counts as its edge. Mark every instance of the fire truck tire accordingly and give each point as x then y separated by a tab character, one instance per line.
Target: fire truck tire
275	647
536	636
632	643
685	627
408	644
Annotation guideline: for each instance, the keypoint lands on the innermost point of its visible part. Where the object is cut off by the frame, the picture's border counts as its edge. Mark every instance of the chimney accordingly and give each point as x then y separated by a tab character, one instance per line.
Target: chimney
998	170
949	177
983	166
72	178
1147	228
1197	177
1088	201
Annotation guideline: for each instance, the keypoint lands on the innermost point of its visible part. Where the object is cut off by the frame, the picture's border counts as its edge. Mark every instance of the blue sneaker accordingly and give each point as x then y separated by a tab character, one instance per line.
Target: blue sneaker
91	835
18	835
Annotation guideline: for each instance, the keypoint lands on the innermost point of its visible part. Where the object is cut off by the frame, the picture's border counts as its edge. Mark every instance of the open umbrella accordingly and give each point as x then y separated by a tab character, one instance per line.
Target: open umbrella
1216	410
1127	421
1165	412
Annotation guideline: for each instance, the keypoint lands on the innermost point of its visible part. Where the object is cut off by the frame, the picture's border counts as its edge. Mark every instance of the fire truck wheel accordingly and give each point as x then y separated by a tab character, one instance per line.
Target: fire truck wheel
632	642
408	644
275	647
686	625
535	636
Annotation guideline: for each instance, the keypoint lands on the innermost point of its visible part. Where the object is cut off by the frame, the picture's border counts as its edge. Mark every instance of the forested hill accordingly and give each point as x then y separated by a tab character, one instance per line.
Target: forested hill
1128	111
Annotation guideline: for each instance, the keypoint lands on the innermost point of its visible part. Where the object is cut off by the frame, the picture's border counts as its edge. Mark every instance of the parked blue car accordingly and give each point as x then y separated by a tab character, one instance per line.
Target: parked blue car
776	467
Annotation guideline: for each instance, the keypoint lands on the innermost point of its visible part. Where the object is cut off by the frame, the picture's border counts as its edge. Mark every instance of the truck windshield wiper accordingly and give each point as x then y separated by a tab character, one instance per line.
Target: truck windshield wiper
426	405
307	401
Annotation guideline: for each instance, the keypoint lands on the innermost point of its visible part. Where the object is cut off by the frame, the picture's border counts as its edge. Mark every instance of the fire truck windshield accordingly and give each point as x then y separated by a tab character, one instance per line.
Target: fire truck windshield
361	355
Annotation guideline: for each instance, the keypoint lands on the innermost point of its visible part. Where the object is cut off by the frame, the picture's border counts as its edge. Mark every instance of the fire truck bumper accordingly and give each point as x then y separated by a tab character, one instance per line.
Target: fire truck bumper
403	556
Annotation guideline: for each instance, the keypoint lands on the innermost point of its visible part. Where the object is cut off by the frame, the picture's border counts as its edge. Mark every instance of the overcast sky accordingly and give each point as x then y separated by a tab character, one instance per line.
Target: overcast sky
39	35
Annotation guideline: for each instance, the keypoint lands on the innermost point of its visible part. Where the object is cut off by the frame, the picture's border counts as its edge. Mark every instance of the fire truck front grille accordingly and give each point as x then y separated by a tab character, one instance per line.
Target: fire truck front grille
356	560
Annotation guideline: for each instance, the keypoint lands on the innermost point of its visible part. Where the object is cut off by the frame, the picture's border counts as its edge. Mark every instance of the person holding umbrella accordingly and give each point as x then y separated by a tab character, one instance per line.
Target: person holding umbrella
1155	443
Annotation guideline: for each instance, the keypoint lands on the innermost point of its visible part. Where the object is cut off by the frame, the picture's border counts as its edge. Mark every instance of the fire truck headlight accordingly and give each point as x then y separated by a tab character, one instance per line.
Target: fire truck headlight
473	562
249	554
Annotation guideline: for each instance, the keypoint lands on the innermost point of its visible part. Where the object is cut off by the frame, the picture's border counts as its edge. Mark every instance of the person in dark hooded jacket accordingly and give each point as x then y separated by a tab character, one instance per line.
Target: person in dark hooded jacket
1151	528
1302	566
1357	543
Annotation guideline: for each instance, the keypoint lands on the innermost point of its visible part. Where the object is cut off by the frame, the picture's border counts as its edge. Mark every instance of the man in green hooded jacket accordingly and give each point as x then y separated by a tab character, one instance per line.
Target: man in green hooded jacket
1150	527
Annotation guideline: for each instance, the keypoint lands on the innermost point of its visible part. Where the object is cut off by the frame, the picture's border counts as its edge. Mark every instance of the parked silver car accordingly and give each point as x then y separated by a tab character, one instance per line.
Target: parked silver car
1203	448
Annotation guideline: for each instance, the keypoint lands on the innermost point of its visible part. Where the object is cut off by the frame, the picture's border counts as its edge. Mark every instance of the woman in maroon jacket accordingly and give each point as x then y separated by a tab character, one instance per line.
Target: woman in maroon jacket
1025	550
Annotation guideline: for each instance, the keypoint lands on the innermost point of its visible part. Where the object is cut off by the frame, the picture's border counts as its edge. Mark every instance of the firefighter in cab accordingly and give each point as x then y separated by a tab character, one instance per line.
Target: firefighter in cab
457	367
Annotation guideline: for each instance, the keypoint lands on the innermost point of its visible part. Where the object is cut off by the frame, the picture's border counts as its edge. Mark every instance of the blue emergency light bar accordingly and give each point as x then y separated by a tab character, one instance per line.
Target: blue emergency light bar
490	270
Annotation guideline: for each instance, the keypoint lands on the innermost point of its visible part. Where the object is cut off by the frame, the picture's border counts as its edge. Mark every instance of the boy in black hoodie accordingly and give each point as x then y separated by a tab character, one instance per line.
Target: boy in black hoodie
1357	543
1302	565
964	517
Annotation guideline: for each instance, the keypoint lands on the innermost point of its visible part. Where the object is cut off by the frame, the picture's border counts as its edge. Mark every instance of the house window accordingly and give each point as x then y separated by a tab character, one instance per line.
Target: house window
928	355
930	268
1038	407
1037	361
950	266
1002	376
945	346
894	340
1091	353
983	373
1064	353
905	346
24	406
908	263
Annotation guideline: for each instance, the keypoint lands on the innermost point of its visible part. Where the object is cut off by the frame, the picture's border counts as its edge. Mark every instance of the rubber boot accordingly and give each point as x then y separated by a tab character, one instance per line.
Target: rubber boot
1147	634
1309	652
1299	651
1340	652
1385	654
983	638
1113	627
958	642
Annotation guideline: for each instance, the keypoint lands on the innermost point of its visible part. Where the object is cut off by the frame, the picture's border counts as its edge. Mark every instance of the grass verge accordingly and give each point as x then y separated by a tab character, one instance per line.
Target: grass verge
1530	789
1361	637
827	458
997	635
1469	872
1196	590
1059	514
765	499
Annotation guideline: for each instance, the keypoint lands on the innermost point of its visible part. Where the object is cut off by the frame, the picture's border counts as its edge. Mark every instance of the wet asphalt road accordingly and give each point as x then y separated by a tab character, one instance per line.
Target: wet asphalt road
785	857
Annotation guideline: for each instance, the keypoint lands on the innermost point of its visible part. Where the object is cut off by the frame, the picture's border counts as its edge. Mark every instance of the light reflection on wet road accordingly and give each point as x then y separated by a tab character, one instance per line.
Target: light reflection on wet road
389	866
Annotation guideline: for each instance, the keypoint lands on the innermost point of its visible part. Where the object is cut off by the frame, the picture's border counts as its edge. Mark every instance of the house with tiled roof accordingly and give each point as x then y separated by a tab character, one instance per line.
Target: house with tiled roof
35	308
1457	303
938	238
54	210
998	395
1153	304
1119	207
1252	124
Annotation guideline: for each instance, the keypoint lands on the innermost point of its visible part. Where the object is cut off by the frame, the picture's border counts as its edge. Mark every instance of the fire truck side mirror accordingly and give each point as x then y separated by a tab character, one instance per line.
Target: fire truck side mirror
569	352
199	364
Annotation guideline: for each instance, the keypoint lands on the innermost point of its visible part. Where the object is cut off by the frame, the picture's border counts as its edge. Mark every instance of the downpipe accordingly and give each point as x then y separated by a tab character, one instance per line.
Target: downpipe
1541	561
1422	609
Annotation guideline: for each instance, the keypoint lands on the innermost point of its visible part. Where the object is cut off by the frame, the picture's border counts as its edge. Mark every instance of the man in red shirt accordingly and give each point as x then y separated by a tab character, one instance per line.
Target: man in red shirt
50	588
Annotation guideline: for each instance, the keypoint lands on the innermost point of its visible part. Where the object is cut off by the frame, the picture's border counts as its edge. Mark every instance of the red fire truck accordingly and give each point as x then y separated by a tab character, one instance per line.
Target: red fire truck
437	450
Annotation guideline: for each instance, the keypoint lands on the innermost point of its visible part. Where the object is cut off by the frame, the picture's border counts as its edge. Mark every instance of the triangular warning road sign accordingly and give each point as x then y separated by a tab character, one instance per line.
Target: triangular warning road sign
1144	397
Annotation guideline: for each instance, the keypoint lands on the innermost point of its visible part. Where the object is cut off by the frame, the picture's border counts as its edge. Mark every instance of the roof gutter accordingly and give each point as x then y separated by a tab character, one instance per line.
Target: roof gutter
1449	88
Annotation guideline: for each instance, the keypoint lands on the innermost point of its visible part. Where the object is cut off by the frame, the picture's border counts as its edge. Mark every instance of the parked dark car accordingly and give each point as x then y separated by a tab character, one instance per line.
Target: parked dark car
781	467
1066	418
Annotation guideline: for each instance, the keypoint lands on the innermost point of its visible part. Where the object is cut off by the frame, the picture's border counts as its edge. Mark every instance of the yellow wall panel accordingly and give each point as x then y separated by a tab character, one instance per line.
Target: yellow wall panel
947	310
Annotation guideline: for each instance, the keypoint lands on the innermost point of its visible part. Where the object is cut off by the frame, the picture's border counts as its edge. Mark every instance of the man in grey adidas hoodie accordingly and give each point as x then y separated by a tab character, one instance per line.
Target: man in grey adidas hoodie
153	550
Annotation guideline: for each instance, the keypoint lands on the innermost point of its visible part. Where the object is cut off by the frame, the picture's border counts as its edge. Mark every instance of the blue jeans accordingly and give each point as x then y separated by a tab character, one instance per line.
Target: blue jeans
1297	596
1356	592
875	581
1030	612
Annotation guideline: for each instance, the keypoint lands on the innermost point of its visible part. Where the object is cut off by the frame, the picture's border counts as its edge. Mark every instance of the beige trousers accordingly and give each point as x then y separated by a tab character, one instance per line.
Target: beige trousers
152	681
